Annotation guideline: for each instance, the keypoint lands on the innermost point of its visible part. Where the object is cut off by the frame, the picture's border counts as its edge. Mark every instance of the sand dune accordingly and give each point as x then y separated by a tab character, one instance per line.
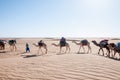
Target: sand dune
71	66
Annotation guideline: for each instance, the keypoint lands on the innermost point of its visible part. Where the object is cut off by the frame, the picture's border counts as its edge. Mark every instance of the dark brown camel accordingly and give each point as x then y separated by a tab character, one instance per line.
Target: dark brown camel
12	44
83	43
101	45
114	48
2	45
40	45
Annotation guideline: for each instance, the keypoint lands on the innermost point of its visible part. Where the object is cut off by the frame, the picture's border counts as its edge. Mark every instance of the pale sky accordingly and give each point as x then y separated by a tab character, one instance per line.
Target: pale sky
57	18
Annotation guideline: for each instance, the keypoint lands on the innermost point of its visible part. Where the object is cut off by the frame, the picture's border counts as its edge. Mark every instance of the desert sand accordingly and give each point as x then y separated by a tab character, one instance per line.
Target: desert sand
18	65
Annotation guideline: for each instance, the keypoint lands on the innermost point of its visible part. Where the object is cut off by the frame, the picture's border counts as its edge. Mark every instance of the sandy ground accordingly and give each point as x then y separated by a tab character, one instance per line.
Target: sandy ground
70	66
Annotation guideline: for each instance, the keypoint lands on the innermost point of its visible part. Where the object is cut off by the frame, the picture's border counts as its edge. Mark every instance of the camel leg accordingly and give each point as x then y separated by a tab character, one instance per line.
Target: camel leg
108	52
45	49
11	48
89	49
83	49
119	55
69	48
15	47
102	51
99	51
66	49
114	53
60	49
41	50
111	51
79	49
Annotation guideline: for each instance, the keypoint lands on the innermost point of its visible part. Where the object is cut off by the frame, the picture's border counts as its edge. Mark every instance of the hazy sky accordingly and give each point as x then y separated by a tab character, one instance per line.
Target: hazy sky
57	18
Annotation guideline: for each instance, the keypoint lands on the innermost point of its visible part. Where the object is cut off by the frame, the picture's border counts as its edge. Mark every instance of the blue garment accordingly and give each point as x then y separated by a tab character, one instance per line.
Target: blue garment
27	47
62	41
118	44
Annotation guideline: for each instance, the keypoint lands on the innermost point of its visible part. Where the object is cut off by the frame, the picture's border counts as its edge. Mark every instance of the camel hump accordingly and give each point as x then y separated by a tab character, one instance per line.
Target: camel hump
12	42
41	43
104	42
62	43
85	41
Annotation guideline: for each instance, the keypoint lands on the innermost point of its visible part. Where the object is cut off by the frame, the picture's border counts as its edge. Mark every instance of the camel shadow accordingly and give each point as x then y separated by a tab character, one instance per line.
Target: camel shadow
114	58
3	51
81	53
108	57
29	56
60	53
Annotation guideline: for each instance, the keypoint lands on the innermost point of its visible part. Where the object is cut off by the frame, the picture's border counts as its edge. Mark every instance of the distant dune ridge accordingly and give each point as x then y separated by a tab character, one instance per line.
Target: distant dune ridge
18	65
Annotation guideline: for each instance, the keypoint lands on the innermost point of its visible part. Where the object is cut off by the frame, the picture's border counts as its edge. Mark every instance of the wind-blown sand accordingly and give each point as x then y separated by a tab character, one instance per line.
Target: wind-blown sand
70	66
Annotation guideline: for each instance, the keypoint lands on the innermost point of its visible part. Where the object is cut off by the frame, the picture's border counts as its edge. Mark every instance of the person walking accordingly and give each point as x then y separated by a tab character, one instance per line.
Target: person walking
27	47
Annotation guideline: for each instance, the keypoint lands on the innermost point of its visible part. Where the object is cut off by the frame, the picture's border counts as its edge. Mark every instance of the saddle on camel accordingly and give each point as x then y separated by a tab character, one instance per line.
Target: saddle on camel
62	41
40	43
104	42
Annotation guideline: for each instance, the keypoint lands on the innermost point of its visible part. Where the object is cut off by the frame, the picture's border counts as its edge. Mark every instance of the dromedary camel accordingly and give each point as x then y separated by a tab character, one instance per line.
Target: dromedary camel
2	45
40	45
114	48
101	45
83	43
12	44
61	46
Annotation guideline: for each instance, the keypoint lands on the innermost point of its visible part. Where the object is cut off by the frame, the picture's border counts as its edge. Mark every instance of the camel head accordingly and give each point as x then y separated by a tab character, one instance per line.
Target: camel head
94	42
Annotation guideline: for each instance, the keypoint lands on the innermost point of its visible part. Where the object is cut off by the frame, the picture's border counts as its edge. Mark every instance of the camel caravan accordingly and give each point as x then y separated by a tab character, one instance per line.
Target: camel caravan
111	48
12	44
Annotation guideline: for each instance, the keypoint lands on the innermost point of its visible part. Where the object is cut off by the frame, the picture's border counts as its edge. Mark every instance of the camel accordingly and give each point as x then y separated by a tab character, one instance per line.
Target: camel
2	45
114	48
83	43
12	44
40	45
111	47
61	46
102	46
